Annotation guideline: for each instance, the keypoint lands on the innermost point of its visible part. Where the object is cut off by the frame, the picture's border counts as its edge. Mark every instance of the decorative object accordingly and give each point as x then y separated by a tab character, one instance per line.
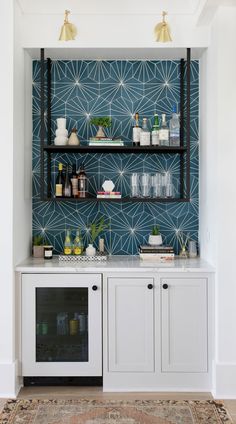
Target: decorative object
68	30
192	249
155	239
73	139
48	252
61	138
95	229
101	245
108	185
38	247
183	240
90	250
101	122
97	411
162	30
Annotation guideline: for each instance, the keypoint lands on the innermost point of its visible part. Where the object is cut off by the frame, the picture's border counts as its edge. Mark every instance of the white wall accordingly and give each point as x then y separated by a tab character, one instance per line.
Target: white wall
218	187
15	211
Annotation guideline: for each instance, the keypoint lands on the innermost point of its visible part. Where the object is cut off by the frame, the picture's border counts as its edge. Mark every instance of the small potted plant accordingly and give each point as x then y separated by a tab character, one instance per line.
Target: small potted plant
38	246
155	238
95	229
101	122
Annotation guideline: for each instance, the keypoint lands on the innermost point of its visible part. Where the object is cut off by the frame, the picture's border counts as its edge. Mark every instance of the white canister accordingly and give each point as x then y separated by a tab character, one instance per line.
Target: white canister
61	123
90	250
155	240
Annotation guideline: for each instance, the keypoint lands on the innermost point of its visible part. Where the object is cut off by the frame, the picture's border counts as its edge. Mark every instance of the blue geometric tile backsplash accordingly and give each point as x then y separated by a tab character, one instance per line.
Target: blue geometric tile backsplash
82	89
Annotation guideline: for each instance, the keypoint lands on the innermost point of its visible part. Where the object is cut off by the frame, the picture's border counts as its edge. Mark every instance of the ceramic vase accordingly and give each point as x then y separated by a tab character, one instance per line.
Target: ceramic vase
100	132
73	139
38	251
61	123
155	240
90	250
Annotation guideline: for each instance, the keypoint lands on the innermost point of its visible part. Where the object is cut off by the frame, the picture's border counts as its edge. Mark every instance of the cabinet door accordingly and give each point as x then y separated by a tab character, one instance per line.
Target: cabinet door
130	324
61	325
184	324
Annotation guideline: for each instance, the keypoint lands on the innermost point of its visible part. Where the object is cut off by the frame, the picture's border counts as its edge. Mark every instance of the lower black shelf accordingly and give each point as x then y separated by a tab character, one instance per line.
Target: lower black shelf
123	199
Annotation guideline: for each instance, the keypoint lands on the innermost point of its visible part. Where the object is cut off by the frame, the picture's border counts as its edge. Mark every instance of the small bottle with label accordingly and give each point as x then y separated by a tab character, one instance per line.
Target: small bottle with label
60	181
67	190
68	246
155	131
136	130
164	132
74	181
78	244
82	183
145	134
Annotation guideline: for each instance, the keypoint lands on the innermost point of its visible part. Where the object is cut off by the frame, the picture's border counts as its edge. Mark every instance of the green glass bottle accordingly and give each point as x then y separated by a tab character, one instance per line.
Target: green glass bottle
78	244
68	246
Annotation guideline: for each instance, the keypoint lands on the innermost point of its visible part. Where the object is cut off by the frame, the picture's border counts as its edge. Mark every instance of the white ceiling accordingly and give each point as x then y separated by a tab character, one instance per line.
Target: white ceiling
109	6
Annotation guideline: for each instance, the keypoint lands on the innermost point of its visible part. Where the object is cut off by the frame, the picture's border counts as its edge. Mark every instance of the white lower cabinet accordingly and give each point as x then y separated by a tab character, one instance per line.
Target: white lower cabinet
157	332
130	323
184	325
61	325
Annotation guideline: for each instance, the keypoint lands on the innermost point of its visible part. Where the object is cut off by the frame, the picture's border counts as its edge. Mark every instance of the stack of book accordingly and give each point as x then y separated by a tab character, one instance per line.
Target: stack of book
105	141
157	253
108	195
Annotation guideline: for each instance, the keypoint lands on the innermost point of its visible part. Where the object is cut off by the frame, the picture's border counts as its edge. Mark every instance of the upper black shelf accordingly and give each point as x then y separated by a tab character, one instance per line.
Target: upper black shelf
114	149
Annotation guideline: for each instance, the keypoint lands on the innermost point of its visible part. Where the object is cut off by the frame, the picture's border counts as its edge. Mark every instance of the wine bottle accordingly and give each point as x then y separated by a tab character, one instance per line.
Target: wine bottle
67	186
68	247
60	181
82	183
155	131
74	181
164	132
136	130
174	128
78	244
144	134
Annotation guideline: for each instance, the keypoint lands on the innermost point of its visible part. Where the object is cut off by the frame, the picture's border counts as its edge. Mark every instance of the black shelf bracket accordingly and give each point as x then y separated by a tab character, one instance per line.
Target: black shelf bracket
188	123
42	125
49	124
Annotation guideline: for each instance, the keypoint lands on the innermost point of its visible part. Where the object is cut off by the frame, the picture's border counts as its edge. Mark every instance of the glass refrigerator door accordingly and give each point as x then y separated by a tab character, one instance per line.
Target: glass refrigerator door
62	324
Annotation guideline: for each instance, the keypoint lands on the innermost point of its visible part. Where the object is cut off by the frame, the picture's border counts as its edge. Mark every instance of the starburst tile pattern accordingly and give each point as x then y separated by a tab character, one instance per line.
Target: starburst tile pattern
82	89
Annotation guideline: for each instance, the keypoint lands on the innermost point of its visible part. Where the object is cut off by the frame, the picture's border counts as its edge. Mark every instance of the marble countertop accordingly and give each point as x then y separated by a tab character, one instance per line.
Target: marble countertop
114	264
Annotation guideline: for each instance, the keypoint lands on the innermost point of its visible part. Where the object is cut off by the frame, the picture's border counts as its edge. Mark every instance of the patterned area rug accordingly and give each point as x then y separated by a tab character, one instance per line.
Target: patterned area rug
84	411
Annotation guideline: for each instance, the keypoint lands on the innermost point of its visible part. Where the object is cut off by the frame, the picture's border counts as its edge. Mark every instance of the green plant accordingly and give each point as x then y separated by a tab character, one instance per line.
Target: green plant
38	240
96	228
155	230
103	121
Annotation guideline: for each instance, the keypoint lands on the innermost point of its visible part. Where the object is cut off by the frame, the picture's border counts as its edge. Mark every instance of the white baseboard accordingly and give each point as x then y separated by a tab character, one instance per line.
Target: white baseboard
9	380
225	381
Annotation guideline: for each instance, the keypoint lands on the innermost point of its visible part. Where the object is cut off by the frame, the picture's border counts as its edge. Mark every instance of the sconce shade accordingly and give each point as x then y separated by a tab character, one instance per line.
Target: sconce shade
68	30
162	30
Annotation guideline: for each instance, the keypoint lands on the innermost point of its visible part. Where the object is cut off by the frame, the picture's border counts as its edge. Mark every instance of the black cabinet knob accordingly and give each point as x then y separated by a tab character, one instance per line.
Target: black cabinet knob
94	288
165	286
150	286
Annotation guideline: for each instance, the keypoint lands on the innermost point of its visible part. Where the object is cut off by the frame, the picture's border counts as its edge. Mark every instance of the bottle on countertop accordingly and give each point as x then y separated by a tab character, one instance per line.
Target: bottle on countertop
174	128
74	181
60	181
78	244
145	134
67	186
82	182
68	246
164	132
136	130
155	131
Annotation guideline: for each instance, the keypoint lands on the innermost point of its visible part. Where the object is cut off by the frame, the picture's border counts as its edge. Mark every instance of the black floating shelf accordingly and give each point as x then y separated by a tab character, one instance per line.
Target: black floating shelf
114	149
123	199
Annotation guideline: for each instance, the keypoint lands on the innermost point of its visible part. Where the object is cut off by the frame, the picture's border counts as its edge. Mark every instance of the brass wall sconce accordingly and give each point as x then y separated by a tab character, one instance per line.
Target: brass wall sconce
68	30
162	30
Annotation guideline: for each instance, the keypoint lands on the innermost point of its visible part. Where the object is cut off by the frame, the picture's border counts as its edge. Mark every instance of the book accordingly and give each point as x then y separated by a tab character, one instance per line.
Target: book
156	249
108	196
157	256
106	143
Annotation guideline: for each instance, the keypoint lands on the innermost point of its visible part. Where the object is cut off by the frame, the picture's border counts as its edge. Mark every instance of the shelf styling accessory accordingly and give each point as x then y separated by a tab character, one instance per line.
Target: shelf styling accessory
183	240
73	139
101	122
61	138
95	228
155	238
38	247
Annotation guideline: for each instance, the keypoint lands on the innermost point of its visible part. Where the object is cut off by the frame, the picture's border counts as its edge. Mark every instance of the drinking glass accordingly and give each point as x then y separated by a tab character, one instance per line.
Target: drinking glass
192	249
156	185
167	185
135	191
145	184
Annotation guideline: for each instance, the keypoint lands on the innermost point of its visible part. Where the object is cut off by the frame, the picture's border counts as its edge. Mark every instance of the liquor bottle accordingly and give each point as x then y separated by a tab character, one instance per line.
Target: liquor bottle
78	244
74	181
82	183
144	134
155	131
136	130
164	132
174	128
60	181
68	247
67	186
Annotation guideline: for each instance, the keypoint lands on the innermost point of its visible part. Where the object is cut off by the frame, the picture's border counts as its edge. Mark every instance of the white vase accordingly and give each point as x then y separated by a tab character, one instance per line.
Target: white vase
73	139
60	141
61	123
90	250
62	132
100	132
155	240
